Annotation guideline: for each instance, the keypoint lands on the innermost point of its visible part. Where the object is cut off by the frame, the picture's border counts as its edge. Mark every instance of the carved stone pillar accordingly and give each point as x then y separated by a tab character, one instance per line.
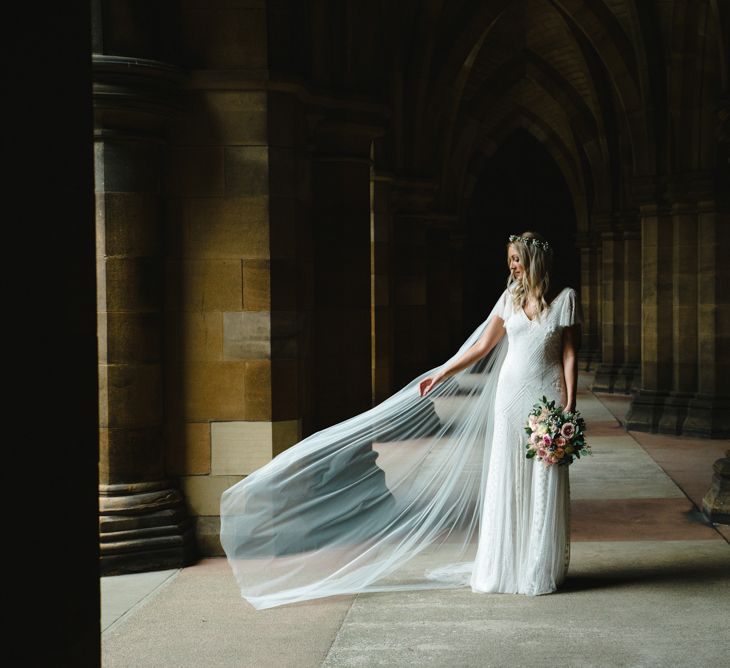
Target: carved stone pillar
708	411
457	242
612	340
590	267
685	385
382	287
412	202
143	520
656	304
439	286
341	247
430	290
628	374
680	322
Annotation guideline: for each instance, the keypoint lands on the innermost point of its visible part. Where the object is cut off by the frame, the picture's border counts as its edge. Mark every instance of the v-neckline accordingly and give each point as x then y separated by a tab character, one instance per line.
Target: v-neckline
529	319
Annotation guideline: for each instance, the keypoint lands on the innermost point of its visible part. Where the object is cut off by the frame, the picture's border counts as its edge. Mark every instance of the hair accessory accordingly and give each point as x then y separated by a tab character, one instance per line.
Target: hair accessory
544	245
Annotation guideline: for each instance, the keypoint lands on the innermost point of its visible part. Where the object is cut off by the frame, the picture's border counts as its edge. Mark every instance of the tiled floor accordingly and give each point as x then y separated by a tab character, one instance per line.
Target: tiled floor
648	586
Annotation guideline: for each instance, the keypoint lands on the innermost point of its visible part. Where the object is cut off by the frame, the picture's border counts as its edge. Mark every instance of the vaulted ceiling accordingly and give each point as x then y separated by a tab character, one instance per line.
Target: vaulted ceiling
588	78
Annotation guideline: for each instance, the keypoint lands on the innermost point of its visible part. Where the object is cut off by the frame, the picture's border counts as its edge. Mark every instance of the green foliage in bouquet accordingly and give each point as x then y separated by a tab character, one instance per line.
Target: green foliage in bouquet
555	436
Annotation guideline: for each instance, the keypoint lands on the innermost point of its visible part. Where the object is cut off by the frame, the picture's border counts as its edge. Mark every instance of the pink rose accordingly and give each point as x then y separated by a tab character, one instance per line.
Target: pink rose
560	441
568	430
546	440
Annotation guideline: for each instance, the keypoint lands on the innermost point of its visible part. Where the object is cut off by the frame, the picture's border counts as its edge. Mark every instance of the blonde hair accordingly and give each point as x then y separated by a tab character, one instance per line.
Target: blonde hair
535	279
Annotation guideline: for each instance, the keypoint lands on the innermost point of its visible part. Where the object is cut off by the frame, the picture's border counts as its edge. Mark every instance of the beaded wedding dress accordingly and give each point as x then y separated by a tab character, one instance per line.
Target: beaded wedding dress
417	492
524	541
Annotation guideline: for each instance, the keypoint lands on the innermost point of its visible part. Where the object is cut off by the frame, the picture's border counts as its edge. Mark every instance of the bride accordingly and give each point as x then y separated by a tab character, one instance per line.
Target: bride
524	545
430	488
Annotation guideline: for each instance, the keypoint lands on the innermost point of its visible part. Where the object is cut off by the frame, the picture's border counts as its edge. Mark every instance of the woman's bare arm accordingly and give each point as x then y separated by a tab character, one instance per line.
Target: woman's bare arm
489	338
571	346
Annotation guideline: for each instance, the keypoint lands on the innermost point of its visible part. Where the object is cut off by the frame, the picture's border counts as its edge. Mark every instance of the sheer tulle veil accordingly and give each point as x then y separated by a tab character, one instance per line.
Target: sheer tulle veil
387	500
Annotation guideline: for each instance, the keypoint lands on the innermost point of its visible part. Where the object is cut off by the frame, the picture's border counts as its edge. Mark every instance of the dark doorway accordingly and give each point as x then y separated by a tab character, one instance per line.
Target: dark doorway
519	188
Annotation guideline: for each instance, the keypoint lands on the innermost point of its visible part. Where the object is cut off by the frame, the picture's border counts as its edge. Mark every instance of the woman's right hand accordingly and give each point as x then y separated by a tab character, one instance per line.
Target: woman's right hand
427	384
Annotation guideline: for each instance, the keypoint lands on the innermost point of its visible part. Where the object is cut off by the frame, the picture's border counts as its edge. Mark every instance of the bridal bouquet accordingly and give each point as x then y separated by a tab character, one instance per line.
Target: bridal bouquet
555	436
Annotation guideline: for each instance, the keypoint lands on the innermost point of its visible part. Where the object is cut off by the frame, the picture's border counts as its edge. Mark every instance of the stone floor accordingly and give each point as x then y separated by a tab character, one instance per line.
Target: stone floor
649	585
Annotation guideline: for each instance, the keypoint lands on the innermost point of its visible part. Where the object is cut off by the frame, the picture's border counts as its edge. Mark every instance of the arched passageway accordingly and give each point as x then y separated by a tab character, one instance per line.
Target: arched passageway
329	186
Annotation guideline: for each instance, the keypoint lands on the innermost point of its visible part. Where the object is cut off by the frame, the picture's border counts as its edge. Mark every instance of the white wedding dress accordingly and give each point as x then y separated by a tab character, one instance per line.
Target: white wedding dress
524	537
418	492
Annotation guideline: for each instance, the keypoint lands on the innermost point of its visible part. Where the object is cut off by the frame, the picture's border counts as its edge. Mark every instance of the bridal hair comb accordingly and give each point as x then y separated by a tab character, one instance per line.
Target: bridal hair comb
544	245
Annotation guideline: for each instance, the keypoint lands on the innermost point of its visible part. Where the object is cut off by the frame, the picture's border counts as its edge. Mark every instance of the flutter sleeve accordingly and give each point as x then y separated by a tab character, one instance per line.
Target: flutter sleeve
571	312
503	308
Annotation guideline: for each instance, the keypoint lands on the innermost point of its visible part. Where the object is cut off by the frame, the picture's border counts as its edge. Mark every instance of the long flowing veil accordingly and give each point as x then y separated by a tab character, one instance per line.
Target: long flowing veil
387	500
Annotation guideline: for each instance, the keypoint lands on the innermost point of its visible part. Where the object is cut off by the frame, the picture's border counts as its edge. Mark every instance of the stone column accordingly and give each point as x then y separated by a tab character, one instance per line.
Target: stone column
412	201
590	290
656	304
143	520
627	376
439	288
457	243
612	340
382	287
341	246
708	411
682	318
716	502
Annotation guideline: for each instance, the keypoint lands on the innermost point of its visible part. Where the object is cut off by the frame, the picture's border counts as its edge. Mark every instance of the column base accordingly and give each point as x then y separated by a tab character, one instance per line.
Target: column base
708	416
674	413
628	379
678	413
144	527
716	503
608	378
589	359
645	411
